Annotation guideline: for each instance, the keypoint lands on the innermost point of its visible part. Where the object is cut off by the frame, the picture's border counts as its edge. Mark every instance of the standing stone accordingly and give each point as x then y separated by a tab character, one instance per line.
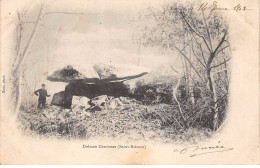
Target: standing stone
58	98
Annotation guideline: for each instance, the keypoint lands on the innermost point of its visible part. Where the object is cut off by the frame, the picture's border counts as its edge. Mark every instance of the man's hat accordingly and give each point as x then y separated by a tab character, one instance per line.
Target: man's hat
43	84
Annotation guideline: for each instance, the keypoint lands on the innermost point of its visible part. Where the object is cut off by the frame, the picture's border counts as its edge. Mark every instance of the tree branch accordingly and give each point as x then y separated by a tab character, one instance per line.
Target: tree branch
202	55
29	41
196	55
171	66
222	49
213	54
189	62
178	103
207	30
221	99
220	43
19	35
225	69
195	31
220	64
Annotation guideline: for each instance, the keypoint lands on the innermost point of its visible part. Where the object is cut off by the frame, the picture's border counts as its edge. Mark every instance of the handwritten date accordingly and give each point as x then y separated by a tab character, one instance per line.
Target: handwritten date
215	6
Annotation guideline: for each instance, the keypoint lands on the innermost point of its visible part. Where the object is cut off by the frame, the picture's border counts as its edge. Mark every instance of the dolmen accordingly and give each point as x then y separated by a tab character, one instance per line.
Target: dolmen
93	80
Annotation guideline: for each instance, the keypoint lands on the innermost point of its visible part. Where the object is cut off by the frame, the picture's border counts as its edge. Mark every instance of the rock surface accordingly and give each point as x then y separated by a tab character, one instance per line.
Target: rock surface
77	88
80	102
105	102
57	98
99	101
152	88
93	73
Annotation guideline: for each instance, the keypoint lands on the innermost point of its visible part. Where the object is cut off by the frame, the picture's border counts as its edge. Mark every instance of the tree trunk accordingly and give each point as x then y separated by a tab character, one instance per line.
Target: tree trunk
15	88
190	84
178	103
16	71
214	112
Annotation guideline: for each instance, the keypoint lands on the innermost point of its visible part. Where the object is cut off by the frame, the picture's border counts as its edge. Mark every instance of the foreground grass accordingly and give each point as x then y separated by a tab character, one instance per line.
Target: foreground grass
131	122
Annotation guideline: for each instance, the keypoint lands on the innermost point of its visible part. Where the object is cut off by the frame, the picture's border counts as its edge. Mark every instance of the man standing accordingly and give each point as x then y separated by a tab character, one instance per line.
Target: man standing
42	93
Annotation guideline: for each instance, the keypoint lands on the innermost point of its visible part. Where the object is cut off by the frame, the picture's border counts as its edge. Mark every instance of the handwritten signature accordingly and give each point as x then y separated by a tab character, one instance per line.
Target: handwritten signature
197	150
214	6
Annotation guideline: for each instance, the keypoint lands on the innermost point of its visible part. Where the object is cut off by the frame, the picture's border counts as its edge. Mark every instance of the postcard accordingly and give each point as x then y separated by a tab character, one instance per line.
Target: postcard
143	82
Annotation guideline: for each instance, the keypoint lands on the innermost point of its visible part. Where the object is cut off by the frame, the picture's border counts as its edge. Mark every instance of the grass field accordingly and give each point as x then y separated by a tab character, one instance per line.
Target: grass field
132	121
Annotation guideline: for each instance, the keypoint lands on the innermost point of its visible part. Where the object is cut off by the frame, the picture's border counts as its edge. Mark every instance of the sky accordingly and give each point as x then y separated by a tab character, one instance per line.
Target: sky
97	33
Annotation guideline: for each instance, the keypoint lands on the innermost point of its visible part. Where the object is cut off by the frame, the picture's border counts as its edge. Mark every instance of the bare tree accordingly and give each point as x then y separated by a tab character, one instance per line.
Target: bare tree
21	52
200	39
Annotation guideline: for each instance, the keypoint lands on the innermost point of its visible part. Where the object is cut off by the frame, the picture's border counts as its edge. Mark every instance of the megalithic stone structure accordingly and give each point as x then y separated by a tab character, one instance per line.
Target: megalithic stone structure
95	80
